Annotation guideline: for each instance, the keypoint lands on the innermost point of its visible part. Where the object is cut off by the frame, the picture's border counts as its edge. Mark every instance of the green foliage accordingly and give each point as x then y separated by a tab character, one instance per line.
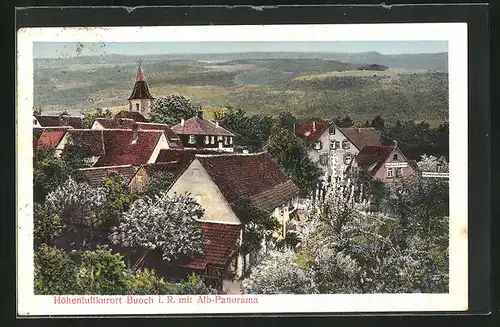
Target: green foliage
89	116
47	173
146	282
378	123
286	120
258	224
160	181
118	199
291	154
343	121
194	285
46	223
102	273
55	272
170	109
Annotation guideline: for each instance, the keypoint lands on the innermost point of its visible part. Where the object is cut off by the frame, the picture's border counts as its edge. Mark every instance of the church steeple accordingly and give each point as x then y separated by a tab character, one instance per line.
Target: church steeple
141	98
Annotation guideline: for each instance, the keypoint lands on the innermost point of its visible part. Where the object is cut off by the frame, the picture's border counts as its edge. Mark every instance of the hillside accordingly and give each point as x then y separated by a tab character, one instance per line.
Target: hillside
305	86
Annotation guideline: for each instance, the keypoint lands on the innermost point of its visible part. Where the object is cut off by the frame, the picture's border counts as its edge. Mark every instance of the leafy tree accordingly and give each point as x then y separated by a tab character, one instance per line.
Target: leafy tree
146	282
47	173
160	181
55	272
165	223
286	120
433	164
378	123
118	199
89	116
278	273
74	198
343	121
194	285
103	273
291	154
170	109
46	223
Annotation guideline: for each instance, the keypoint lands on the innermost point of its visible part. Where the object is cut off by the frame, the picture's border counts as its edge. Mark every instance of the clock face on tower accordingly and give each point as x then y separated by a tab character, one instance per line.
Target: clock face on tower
347	158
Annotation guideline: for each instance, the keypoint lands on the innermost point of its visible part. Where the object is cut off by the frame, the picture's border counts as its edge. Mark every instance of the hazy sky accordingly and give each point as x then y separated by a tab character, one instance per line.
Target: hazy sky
71	49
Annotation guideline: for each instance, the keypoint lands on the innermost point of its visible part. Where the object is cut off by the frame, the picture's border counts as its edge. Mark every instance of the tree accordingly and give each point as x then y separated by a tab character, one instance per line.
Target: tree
102	273
433	164
46	223
89	116
279	274
170	109
194	285
160	181
118	199
378	123
165	223
55	272
74	198
286	120
147	282
47	173
291	154
344	121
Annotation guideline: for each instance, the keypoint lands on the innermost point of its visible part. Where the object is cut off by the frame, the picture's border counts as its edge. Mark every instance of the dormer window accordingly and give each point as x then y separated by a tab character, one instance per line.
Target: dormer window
192	139
345	144
395	157
318	145
331	130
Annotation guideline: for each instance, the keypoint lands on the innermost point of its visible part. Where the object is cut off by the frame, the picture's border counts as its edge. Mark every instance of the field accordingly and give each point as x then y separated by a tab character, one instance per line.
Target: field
306	87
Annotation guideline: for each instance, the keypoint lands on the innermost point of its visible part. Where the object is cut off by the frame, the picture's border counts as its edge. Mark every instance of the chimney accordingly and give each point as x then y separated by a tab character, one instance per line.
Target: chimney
182	122
216	124
135	133
314	126
200	113
395	143
359	130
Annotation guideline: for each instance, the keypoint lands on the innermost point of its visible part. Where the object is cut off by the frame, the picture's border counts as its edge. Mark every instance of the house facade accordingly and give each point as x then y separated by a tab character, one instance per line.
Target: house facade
201	133
333	148
220	182
384	163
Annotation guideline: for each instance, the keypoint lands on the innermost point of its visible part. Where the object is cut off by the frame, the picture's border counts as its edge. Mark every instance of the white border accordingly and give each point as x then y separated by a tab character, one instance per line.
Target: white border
454	33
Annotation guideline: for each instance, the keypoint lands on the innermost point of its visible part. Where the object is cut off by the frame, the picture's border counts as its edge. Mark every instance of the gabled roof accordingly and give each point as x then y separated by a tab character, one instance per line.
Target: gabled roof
312	133
136	116
178	159
362	137
121	149
141	90
89	141
221	242
115	123
60	120
373	156
249	176
52	136
200	126
95	175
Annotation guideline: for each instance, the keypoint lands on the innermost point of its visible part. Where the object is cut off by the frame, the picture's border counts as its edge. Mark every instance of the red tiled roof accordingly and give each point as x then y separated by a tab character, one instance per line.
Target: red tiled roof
119	148
362	137
137	116
95	175
63	120
178	159
221	241
51	137
200	126
252	176
173	139
373	155
89	141
307	132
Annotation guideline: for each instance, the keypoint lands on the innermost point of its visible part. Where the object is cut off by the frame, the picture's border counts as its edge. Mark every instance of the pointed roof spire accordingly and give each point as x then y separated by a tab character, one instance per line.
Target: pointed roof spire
140	75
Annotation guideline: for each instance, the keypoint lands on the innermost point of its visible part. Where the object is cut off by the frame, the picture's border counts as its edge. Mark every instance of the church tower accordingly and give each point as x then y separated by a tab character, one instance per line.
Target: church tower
140	100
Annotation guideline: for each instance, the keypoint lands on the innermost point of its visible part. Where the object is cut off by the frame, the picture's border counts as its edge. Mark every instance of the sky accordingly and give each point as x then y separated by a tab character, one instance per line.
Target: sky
71	49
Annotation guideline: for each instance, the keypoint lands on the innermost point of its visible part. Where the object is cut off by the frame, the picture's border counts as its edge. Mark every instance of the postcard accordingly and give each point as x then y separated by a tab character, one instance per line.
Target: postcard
242	169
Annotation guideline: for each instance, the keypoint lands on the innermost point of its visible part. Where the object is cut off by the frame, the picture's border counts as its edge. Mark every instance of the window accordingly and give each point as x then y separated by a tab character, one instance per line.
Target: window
230	140
192	139
399	172
334	145
390	172
219	138
345	144
395	156
212	140
225	140
318	145
332	129
207	139
323	159
137	106
196	173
